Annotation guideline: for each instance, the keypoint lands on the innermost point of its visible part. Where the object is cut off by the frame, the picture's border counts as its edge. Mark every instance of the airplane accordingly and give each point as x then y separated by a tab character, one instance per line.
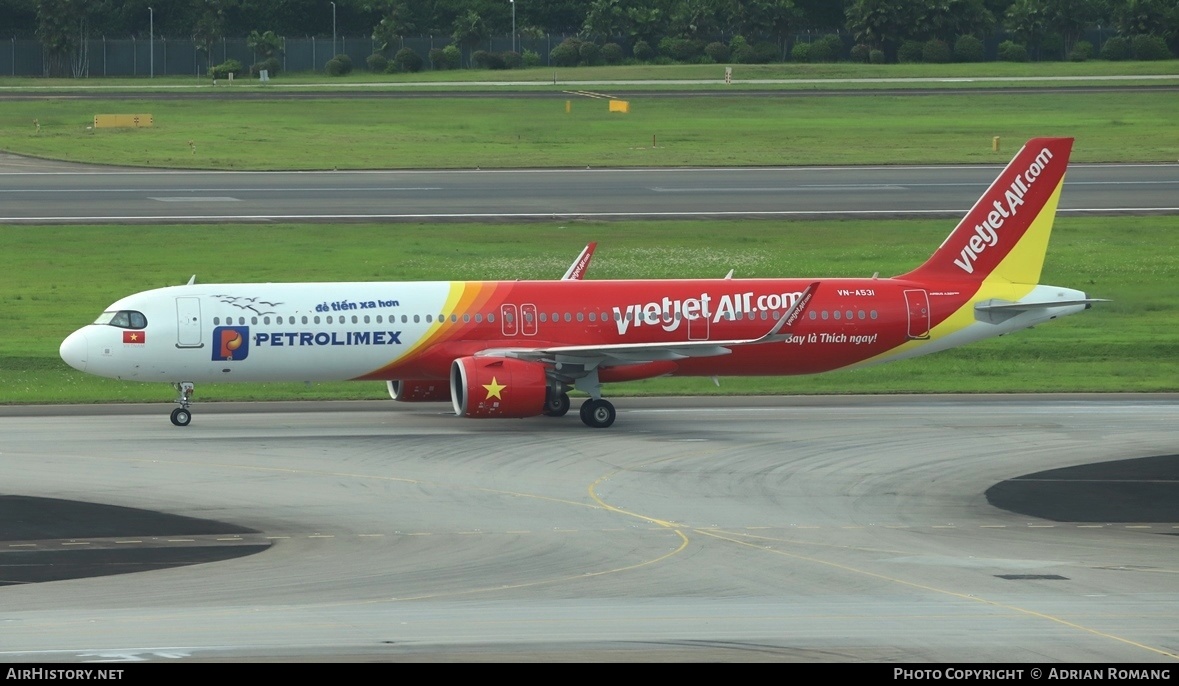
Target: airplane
514	349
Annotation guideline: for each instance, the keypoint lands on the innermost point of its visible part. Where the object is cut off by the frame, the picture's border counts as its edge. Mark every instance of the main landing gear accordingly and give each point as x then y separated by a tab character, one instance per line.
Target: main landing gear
181	416
597	413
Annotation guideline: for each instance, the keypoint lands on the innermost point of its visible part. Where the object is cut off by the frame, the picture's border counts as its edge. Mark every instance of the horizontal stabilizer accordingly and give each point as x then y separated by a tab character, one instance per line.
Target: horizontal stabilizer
1000	305
998	311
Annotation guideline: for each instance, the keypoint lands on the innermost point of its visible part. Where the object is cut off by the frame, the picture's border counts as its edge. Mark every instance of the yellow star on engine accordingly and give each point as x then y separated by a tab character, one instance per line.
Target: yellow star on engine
493	389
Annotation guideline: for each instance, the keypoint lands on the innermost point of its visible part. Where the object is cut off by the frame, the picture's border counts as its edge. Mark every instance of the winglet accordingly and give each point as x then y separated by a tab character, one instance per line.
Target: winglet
577	270
792	315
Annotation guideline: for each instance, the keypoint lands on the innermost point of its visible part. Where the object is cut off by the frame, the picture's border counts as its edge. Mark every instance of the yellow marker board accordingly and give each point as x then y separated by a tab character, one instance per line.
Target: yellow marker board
123	121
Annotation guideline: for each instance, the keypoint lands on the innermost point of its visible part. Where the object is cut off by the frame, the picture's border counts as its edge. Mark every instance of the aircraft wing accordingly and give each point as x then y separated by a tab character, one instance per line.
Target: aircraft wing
635	353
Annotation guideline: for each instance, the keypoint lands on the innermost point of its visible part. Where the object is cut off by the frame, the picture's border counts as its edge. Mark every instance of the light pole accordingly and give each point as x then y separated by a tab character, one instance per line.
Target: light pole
333	29
513	24
151	43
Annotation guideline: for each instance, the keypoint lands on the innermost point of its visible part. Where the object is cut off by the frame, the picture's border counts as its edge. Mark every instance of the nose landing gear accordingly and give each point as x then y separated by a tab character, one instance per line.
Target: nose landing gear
181	416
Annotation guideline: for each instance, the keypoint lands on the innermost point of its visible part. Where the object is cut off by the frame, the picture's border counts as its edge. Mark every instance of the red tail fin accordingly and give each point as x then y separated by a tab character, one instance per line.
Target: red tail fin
1005	235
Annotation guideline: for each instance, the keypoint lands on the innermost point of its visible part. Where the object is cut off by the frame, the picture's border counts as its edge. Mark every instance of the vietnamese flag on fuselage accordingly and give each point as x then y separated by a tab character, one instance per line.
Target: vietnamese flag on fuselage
134	336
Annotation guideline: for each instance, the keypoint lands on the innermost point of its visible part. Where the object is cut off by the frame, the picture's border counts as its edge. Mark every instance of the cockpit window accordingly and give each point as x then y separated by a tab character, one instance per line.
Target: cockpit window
124	319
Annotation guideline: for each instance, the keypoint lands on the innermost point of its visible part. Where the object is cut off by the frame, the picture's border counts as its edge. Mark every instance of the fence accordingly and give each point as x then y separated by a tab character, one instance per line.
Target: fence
169	57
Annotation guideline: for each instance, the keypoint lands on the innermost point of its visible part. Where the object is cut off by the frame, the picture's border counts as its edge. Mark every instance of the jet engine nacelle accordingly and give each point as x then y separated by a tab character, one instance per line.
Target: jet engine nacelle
497	387
418	391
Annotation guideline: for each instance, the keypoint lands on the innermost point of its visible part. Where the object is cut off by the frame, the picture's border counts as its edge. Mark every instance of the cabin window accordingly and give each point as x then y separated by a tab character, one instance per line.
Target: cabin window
849	315
872	314
478	317
593	316
490	318
568	317
266	320
254	320
543	317
825	315
304	319
860	314
317	319
836	315
466	317
813	314
581	316
453	318
354	319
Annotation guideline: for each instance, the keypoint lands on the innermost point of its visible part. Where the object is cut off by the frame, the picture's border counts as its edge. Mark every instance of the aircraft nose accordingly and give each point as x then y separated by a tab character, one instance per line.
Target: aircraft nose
73	350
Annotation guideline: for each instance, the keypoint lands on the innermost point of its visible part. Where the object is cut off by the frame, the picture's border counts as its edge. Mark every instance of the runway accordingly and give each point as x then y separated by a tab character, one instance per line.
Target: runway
53	193
940	529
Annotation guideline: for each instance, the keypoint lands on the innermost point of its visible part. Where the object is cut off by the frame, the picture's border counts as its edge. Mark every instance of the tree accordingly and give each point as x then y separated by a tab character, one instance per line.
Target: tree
695	18
647	23
1070	18
20	17
780	19
606	20
948	19
61	28
209	24
266	44
882	24
469	30
396	24
1029	20
1139	17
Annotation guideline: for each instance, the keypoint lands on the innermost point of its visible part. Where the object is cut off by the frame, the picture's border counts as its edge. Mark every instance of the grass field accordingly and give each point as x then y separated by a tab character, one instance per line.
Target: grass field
658	131
56	278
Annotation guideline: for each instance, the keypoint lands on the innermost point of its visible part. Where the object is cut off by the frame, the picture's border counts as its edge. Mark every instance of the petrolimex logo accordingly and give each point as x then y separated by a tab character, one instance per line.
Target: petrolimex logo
231	342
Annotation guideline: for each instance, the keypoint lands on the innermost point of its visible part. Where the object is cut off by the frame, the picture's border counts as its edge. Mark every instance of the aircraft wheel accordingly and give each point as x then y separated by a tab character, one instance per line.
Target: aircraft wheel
557	406
181	416
597	414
